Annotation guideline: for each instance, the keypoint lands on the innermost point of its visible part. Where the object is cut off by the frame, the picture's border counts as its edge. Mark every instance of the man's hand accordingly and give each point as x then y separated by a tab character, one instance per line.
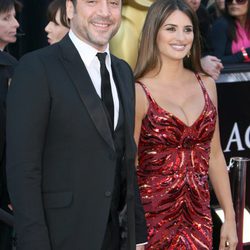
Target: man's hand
212	66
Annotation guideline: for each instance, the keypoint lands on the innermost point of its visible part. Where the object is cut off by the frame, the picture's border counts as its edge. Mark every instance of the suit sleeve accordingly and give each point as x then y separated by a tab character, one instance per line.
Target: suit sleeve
140	221
28	105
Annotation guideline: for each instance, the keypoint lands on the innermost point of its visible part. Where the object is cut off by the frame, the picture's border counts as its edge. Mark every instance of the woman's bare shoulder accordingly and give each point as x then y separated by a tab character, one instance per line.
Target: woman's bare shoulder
141	98
210	86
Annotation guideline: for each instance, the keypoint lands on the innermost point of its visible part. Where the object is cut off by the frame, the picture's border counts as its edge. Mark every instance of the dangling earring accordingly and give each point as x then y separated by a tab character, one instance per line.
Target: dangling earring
188	54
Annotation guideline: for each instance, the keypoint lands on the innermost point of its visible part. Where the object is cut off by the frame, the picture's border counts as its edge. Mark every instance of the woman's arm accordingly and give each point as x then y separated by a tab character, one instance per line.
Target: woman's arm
141	107
220	180
140	112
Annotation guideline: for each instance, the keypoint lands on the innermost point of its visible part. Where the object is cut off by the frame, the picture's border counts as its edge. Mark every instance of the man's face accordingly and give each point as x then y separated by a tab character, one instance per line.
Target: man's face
194	4
95	21
8	27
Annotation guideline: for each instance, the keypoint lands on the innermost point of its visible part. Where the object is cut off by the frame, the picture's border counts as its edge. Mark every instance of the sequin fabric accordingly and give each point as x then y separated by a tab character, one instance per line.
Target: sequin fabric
173	177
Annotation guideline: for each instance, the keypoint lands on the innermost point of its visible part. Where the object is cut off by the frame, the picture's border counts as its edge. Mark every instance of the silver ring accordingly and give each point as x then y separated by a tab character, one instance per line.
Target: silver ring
227	244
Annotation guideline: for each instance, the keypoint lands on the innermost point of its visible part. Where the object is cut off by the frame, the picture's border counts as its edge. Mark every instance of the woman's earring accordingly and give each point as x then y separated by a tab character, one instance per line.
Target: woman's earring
188	54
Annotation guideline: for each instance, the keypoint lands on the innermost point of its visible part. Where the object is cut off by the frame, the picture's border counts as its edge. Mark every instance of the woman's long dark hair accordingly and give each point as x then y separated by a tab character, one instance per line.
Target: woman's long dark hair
148	55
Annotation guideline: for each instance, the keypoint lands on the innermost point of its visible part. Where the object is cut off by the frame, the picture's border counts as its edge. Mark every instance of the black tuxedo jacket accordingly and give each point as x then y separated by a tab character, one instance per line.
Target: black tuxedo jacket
61	157
7	64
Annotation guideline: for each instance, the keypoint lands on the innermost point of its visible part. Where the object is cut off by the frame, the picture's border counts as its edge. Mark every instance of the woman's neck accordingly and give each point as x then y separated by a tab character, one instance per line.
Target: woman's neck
242	20
169	72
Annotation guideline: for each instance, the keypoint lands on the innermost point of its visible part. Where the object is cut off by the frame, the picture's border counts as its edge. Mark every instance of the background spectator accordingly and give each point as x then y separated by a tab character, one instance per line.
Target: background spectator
32	19
216	9
58	25
210	64
8	32
8	23
230	36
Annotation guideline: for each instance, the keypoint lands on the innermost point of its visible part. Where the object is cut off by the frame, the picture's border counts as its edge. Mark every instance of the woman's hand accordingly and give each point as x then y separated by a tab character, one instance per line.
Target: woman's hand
140	247
228	235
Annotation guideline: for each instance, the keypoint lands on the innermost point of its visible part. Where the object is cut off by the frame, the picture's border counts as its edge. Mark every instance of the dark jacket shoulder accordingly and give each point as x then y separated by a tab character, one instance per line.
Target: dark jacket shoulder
6	59
221	23
122	63
45	52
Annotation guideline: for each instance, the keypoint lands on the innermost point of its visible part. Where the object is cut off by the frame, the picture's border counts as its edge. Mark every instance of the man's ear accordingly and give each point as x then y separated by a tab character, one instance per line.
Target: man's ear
70	9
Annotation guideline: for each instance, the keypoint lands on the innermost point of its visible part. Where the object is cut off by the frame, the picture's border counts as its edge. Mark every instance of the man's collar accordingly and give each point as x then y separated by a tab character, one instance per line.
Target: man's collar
86	51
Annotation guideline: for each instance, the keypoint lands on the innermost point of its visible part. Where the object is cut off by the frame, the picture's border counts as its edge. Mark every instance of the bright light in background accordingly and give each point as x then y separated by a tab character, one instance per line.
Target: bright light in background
246	223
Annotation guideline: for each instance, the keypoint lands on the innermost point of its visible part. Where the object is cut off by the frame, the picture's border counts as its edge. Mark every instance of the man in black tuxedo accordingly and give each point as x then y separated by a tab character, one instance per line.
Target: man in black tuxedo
8	29
70	148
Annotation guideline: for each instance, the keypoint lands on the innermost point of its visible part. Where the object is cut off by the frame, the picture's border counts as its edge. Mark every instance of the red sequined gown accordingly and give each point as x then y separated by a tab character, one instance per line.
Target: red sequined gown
173	177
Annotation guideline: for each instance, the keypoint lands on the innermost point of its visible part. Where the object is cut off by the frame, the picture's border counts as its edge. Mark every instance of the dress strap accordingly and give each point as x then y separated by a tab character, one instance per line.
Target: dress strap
205	93
146	91
200	82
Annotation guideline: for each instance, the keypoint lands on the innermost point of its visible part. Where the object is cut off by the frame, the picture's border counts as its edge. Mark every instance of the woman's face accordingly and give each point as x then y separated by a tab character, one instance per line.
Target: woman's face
194	4
8	27
220	4
55	31
175	37
238	10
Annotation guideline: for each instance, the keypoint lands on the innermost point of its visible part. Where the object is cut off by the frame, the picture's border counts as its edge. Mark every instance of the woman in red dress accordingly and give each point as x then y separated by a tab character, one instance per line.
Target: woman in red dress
177	134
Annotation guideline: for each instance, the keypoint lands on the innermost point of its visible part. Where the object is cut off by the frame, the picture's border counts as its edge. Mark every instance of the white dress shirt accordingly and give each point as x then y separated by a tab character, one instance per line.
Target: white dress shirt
92	64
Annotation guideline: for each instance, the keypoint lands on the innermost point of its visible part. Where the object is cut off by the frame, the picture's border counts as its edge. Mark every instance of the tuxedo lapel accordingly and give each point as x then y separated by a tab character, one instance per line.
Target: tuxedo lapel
127	101
85	88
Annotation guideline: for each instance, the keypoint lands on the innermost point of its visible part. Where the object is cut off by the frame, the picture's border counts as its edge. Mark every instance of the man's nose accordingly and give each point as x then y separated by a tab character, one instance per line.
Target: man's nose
104	8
